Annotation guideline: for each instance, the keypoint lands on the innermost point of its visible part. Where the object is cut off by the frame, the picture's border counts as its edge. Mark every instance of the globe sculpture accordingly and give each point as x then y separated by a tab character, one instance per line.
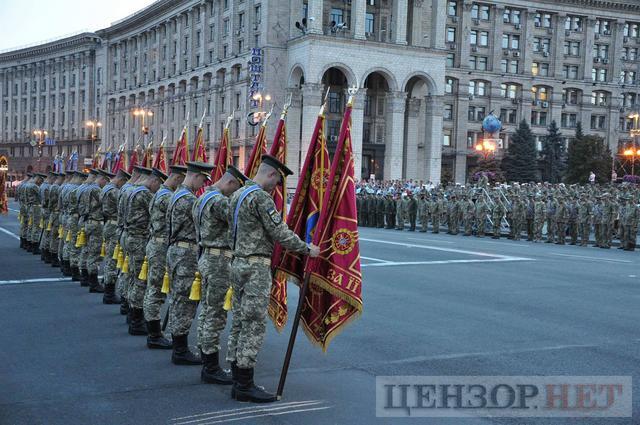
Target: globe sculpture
491	124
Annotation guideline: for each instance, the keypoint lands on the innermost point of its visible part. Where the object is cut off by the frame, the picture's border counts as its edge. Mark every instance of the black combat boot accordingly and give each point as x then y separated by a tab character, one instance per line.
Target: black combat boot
124	306
54	259
67	268
21	242
43	255
246	390
75	273
129	314
94	285
156	340
84	277
110	296
36	249
182	355
28	245
234	377
212	373
137	327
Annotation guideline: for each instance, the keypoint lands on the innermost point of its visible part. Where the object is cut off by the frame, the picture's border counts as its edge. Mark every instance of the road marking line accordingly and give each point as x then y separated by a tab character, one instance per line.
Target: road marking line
438	248
266	414
595	258
249	409
374	259
11	209
430	240
238	413
10	233
39	280
420	263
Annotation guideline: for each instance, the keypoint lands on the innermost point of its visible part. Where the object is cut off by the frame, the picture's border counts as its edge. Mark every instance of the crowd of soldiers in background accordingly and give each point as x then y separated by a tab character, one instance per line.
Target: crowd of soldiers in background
557	213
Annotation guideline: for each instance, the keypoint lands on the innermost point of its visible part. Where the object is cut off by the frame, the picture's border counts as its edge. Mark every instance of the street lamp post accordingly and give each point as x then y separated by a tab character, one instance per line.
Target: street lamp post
486	148
634	132
94	126
41	135
143	113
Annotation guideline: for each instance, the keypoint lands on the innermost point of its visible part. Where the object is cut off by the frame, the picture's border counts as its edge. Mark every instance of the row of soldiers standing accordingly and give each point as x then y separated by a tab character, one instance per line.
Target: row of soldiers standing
567	216
149	232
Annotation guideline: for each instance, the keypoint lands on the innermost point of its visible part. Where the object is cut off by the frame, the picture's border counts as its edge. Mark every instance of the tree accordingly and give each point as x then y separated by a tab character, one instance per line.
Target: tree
520	162
587	153
553	155
490	167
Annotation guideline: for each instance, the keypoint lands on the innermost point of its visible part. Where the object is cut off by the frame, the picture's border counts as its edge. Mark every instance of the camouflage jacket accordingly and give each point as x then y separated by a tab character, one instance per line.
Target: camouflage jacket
210	215
179	216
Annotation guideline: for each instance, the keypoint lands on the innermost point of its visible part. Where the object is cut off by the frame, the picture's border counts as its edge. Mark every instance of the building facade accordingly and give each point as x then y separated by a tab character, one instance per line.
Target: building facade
427	72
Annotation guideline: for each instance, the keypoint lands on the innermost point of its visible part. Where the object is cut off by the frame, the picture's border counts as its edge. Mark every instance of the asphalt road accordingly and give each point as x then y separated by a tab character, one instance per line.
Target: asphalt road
433	305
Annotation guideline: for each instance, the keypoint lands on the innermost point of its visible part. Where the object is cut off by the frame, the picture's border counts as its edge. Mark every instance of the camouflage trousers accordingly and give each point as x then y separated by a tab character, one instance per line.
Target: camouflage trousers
251	281
453	224
24	224
424	222
109	269
496	226
91	250
153	297
215	282
182	264
561	232
537	230
551	229
480	225
467	224
136	247
380	219
573	232
122	283
584	229
391	220
597	229
71	253
517	229
36	213
46	234
630	234
435	223
53	236
63	220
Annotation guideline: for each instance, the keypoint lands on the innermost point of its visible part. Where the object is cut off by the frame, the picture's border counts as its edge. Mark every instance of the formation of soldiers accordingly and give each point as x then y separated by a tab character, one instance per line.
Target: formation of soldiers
560	214
156	242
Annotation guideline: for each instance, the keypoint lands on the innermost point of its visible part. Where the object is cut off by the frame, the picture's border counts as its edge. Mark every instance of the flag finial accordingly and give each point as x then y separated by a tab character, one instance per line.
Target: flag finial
352	92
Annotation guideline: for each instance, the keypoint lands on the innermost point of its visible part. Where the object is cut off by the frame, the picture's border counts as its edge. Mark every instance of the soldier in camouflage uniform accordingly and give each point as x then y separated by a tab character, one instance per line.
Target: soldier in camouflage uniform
530	217
65	207
598	218
584	219
71	253
255	225
453	213
45	239
551	219
497	213
210	215
35	212
609	214
629	220
371	210
138	217
109	201
93	223
539	213
480	216
380	209
156	252
562	218
468	210
423	212
84	193
122	282
390	211
20	197
412	211
54	219
572	207
438	208
182	261
399	213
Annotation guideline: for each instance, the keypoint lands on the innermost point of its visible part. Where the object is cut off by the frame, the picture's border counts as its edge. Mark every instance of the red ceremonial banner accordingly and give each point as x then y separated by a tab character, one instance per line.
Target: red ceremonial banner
121	161
161	159
181	153
223	157
147	159
334	296
199	150
302	219
259	149
133	161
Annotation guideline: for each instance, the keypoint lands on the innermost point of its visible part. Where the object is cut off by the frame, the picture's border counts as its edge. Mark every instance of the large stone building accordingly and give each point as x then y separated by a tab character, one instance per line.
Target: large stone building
427	71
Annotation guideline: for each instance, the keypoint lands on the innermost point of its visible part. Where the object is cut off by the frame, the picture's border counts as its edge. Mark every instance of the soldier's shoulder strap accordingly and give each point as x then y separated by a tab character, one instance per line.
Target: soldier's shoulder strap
163	191
204	200
137	190
246	191
177	196
108	188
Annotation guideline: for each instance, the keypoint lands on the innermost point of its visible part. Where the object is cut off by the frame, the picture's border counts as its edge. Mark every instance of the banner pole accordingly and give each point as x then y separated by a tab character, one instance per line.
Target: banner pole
292	337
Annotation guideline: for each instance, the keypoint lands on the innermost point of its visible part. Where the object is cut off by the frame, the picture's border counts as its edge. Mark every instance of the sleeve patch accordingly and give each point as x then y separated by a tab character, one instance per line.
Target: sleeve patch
275	216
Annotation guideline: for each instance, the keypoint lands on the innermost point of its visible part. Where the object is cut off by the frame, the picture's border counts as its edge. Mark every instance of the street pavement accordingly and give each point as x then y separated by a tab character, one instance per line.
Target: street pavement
433	305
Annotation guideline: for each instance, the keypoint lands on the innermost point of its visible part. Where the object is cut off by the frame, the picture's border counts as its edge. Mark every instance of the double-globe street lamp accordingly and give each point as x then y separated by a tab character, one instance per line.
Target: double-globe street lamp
93	133
40	135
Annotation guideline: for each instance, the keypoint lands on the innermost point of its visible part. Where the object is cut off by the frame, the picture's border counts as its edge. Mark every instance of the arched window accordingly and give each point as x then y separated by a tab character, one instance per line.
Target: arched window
600	98
478	88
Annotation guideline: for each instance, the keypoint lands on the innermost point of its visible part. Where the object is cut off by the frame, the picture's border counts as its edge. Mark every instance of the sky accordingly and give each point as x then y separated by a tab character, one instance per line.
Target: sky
25	22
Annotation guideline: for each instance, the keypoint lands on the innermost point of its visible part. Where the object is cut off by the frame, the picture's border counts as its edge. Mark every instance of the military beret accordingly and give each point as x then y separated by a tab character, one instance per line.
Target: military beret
80	174
29	174
200	168
142	170
123	174
43	175
237	174
275	163
159	174
178	169
107	173
94	171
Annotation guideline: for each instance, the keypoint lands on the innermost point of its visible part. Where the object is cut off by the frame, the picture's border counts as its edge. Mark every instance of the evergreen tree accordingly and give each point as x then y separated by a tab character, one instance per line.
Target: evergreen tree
491	167
588	153
553	155
520	162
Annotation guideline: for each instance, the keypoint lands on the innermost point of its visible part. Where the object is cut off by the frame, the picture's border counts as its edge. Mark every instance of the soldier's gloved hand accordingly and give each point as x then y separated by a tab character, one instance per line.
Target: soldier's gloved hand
314	250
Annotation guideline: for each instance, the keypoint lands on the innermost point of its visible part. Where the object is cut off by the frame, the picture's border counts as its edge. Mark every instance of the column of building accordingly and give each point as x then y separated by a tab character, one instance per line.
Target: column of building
394	120
311	100
433	138
315	16
411	168
357	118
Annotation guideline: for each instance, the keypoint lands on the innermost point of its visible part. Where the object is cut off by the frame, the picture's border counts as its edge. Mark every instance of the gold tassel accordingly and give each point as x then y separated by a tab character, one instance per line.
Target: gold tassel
227	299
144	269
116	251
80	239
196	286
30	222
20	218
165	282
41	224
68	238
125	265
49	225
102	249
60	232
120	259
